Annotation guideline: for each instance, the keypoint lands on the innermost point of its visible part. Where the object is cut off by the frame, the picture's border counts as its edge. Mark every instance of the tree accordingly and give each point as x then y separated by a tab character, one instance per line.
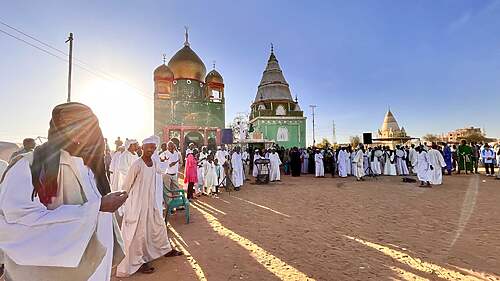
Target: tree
431	138
355	141
324	144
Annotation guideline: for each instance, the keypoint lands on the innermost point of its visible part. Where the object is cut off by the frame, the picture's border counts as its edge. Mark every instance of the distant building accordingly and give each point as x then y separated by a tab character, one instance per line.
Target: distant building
275	116
390	134
459	134
188	103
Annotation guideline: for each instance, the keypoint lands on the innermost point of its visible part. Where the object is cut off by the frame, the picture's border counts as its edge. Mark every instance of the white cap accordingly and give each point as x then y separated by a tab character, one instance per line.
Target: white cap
129	142
151	139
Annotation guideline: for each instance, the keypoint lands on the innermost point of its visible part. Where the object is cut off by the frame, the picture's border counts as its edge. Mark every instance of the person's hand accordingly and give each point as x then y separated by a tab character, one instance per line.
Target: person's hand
112	201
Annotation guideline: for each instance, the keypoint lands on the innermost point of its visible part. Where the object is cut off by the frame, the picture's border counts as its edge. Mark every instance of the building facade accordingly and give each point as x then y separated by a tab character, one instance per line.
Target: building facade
188	103
390	134
459	134
274	115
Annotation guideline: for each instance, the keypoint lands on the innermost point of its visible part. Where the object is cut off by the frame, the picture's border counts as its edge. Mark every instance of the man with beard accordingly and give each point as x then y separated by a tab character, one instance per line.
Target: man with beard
56	212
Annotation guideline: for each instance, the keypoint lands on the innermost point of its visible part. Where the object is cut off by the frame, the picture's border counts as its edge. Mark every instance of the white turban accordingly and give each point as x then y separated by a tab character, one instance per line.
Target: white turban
151	139
128	143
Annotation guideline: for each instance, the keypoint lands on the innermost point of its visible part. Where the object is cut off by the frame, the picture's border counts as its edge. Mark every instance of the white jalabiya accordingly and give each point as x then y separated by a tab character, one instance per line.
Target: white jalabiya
353	165
113	167
404	165
275	163
305	162
436	160
319	166
245	157
358	162
210	177
375	164
348	163
399	162
49	243
143	228
366	162
161	170
389	167
222	156
255	171
237	165
412	156
422	166
124	163
202	158
341	161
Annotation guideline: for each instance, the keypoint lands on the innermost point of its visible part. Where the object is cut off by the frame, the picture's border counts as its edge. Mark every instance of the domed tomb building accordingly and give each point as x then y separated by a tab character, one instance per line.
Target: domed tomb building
274	114
188	102
390	134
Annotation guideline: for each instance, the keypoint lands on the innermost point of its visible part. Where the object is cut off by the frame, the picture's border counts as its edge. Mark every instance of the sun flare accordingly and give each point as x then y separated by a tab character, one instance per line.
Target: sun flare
122	110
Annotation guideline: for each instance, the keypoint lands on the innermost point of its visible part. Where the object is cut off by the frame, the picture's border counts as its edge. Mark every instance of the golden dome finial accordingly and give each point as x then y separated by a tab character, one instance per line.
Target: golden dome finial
213	64
164	58
186	34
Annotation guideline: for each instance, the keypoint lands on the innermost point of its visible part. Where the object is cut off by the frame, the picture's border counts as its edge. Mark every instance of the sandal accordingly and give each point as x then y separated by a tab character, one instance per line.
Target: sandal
173	253
146	268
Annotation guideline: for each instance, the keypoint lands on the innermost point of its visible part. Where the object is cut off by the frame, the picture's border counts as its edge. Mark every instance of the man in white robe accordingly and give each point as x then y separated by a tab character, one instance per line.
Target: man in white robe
305	161
126	160
348	162
245	156
436	165
358	163
56	215
202	158
422	167
113	167
341	161
237	167
256	156
412	155
222	158
319	165
143	229
275	163
375	162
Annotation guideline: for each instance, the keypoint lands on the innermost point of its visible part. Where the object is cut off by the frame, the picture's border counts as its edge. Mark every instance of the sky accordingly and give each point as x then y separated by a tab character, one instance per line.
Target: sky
435	63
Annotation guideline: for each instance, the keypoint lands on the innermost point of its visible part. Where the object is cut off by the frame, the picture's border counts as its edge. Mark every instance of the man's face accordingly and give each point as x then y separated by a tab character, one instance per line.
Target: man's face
148	149
163	146
133	147
30	145
171	147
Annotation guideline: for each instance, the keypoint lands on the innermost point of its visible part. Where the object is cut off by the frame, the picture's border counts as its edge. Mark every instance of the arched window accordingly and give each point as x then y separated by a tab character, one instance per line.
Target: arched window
280	110
282	134
261	107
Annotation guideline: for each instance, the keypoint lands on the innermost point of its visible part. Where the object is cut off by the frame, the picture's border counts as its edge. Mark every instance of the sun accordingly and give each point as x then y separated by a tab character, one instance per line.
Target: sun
122	110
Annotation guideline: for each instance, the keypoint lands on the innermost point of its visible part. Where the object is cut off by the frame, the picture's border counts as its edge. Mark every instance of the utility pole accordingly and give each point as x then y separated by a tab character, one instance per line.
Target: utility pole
70	61
314	132
334	137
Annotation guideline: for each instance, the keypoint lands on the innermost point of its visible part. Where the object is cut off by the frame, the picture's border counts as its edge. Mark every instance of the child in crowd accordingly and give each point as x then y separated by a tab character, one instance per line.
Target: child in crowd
210	176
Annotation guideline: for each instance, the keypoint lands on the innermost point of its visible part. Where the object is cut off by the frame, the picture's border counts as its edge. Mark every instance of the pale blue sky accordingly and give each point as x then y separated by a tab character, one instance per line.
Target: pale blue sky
436	63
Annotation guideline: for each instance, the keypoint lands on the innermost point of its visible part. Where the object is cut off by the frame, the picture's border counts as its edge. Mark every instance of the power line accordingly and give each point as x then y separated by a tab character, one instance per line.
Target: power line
103	74
66	54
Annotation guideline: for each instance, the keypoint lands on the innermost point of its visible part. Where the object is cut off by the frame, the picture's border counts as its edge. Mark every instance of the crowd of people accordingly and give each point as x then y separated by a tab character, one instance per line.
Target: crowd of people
79	208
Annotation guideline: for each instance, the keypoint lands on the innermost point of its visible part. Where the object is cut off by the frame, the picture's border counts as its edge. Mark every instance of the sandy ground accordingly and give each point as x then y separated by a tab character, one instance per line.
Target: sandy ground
340	229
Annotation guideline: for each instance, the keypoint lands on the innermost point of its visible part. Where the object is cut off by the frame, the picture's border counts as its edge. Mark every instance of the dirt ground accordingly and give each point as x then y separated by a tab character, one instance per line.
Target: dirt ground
339	229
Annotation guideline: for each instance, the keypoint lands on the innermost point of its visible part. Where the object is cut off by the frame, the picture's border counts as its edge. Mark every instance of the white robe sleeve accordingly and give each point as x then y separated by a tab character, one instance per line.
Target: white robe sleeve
30	234
132	175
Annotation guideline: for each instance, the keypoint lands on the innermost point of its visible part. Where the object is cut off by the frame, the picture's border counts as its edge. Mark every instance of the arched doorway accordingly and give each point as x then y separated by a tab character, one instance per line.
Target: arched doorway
193	137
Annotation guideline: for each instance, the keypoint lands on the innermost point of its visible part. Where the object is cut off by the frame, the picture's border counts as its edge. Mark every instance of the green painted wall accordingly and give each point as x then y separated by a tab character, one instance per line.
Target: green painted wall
188	106
296	130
